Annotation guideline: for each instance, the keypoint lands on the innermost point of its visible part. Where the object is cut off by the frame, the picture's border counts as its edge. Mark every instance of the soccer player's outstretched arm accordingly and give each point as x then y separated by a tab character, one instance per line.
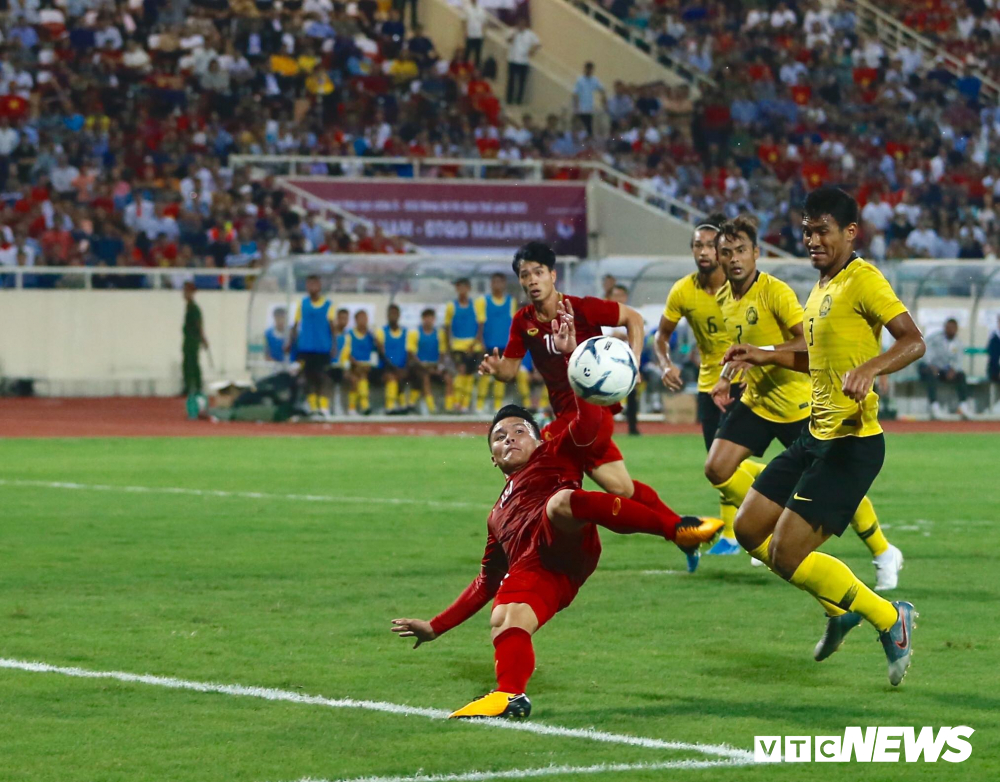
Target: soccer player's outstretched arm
908	347
634	325
745	356
477	594
671	374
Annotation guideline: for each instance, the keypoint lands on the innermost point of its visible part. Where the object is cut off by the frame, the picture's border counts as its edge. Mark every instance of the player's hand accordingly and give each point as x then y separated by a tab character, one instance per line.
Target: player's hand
745	356
672	378
858	382
564	337
414	628
490	364
721	394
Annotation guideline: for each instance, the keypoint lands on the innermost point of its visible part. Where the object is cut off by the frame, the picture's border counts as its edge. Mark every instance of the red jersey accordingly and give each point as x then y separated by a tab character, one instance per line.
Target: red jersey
529	334
517	534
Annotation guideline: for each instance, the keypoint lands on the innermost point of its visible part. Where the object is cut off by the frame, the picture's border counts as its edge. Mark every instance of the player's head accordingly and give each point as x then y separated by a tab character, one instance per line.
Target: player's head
343	318
427	318
392	315
498	284
189	289
361	319
535	267
619	293
950	328
313	286
736	247
703	243
463	287
513	437
280	318
829	227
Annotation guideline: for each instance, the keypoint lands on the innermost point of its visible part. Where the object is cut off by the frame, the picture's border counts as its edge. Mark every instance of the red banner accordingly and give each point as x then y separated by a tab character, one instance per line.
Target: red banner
496	216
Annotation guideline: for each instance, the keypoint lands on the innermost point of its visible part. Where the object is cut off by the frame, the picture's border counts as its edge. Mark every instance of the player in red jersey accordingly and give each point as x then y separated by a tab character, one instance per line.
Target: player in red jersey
531	330
542	542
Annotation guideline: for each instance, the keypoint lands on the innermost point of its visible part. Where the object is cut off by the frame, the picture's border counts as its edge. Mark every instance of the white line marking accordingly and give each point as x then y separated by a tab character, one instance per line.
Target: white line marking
243	495
663	573
545	771
719	750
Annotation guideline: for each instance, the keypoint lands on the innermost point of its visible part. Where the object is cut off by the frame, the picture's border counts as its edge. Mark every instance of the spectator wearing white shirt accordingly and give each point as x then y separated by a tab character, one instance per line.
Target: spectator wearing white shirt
942	364
877	212
783	17
63	175
522	44
9	141
585	95
477	19
923	240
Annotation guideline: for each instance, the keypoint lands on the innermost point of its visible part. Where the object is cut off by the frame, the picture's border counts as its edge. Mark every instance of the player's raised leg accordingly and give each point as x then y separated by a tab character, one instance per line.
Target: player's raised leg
726	471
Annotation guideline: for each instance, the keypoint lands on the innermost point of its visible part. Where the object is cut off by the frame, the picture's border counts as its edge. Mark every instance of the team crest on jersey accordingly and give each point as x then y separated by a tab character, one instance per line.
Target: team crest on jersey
751	315
547	436
508	490
532	332
825	305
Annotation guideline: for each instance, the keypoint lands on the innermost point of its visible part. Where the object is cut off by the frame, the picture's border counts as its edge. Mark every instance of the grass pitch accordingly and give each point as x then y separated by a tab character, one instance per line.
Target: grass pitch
296	593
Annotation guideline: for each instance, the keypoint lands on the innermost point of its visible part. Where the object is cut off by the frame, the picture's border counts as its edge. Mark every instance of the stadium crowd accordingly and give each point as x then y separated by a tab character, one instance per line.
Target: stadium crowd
117	121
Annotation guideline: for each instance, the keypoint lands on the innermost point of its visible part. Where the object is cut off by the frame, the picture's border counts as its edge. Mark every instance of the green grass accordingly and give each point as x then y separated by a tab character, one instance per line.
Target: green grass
298	595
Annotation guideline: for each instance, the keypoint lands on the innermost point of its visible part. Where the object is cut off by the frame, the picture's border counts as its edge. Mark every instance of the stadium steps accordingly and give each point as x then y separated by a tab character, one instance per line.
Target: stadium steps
893	35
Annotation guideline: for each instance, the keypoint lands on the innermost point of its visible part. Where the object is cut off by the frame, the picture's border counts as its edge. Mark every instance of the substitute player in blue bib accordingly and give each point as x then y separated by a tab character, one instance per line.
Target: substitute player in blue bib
426	349
359	346
314	337
464	320
498	308
391	345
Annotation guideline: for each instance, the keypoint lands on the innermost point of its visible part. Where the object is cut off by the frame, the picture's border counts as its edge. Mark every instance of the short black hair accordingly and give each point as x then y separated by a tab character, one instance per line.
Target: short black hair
619	287
539	252
313	277
392	307
501	275
742	224
344	309
463	281
427	311
514	411
832	201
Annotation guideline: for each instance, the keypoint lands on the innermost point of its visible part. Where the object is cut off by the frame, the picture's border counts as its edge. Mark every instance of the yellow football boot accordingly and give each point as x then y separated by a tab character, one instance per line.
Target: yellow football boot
695	530
495	704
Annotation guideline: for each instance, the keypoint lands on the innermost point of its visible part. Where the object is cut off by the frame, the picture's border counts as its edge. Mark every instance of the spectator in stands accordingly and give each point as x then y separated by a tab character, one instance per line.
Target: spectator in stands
477	20
585	92
942	364
522	44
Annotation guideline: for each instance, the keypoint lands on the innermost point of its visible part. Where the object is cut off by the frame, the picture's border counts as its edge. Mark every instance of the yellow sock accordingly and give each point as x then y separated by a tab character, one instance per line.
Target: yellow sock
727	513
432	405
449	403
391	394
312	402
865	524
481	392
545	397
735	489
468	384
414	396
752	467
761	553
499	392
324	404
352	400
830	580
524	388
363	393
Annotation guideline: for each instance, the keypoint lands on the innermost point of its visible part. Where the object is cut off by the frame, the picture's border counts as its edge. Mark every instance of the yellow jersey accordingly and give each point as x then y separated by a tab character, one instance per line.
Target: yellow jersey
765	315
843	329
689	300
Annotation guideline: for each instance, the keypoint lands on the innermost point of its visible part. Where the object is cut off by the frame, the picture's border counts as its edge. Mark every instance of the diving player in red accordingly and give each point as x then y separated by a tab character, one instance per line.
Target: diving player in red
531	330
542	542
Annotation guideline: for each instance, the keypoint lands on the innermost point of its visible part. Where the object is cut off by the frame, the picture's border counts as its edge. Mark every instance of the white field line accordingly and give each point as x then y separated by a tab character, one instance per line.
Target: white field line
242	495
266	693
544	771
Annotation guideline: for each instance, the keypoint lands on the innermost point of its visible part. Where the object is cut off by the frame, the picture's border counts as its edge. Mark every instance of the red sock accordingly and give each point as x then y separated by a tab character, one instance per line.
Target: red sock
646	495
515	660
621	515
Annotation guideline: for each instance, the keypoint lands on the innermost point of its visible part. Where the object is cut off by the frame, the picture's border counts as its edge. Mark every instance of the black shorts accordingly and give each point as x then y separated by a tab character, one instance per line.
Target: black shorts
712	417
823	481
743	426
337	374
465	361
315	363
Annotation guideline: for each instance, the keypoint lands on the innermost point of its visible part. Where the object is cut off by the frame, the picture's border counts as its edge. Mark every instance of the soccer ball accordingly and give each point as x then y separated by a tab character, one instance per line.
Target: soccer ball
603	370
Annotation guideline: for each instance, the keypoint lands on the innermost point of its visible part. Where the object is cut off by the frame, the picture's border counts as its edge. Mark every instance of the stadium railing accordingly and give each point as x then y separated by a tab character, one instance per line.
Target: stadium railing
601	15
77	277
894	33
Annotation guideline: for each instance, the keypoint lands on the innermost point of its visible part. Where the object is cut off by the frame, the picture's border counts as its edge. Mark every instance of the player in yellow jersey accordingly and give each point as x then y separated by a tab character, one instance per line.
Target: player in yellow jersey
811	490
761	310
693	297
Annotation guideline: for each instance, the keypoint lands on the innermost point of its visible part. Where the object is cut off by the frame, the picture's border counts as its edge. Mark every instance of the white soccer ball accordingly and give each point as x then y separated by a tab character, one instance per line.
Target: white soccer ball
603	370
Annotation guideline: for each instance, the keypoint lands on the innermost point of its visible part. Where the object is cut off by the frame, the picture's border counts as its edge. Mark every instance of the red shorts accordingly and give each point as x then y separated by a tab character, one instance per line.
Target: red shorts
603	451
548	590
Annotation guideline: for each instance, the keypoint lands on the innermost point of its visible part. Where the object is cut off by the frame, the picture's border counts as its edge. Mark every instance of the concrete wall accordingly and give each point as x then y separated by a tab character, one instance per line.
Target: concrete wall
621	224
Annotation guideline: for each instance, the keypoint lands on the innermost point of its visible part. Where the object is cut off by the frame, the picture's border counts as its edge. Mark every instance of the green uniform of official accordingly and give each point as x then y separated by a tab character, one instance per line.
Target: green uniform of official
191	349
